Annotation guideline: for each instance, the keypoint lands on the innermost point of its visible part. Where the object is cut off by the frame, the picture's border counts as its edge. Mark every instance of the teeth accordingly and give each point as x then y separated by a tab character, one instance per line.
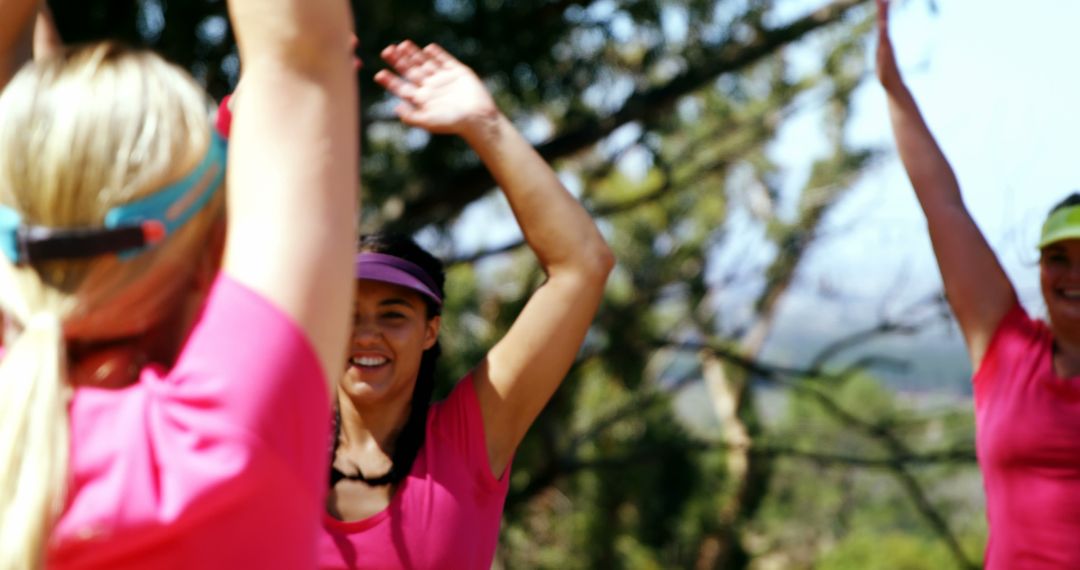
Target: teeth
369	361
1071	293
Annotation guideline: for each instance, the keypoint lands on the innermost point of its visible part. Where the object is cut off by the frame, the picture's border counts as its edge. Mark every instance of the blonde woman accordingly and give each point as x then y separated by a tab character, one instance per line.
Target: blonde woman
155	413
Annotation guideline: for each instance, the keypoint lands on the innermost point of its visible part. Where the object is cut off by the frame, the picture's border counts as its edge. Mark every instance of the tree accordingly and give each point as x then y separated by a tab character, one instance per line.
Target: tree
664	115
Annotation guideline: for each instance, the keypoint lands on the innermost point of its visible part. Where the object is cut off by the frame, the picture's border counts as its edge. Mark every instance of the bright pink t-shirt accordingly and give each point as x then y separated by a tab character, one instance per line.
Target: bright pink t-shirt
1028	443
444	515
219	462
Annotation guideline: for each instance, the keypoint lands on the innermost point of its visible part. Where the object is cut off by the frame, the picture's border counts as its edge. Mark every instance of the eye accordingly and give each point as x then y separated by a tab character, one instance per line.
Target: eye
1055	259
393	315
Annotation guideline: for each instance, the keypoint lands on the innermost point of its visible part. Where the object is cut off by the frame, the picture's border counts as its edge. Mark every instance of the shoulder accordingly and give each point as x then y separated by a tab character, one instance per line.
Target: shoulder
456	433
1017	333
1016	347
454	416
248	369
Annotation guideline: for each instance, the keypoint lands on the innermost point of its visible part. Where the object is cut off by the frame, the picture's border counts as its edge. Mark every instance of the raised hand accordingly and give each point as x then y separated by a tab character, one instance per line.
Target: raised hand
888	71
439	93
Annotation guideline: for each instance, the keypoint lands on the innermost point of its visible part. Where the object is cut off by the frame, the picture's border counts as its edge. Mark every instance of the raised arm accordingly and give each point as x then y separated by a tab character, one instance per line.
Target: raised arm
522	371
16	36
976	286
293	162
47	40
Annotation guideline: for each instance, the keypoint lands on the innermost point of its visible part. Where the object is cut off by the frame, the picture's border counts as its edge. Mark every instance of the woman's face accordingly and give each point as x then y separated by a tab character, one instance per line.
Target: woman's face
391	331
1059	277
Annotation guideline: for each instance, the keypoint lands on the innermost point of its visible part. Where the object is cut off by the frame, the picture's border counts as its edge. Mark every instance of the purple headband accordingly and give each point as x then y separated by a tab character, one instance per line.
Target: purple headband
397	271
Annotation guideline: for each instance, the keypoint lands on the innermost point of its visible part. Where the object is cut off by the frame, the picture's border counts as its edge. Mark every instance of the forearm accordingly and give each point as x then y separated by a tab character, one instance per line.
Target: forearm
556	226
976	287
931	175
16	36
293	160
297	33
300	116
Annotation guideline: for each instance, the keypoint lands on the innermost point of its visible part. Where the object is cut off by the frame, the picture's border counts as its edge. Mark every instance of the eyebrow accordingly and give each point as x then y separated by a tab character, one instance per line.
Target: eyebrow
395	301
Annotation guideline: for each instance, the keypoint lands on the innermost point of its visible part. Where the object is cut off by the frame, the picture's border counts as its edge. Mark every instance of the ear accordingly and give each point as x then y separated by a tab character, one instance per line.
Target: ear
431	331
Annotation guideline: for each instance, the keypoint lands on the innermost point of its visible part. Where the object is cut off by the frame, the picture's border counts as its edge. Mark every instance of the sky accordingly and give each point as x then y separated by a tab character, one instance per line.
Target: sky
998	84
999	88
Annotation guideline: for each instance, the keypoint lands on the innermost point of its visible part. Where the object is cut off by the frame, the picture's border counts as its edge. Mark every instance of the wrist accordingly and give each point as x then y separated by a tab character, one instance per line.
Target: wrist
484	128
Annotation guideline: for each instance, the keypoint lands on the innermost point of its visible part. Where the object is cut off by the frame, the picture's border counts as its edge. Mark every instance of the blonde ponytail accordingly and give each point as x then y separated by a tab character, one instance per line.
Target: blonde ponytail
33	441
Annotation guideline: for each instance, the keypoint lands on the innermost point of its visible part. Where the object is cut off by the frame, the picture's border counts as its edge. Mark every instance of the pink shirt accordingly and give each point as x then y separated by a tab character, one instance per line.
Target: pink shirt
1028	425
444	515
218	463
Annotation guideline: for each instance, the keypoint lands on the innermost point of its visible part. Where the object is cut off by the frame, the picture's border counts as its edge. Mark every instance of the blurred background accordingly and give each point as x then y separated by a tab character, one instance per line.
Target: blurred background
774	380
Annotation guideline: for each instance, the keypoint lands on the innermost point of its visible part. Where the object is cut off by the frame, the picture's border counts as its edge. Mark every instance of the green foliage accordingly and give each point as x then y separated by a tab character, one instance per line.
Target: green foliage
834	514
893	551
665	115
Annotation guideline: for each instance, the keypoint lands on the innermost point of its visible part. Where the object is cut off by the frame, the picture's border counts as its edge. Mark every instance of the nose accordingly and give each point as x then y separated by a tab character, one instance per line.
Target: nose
365	331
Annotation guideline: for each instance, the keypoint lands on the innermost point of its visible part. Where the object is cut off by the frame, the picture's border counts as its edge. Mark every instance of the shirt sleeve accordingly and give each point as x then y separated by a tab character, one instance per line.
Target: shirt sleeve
458	422
1014	342
248	372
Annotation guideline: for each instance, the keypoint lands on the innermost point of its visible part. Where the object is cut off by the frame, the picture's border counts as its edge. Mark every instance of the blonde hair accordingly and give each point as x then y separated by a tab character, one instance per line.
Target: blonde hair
80	133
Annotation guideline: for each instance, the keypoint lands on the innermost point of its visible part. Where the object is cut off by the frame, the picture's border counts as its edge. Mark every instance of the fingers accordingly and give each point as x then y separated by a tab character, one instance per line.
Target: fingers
415	64
438	54
403	57
354	43
396	85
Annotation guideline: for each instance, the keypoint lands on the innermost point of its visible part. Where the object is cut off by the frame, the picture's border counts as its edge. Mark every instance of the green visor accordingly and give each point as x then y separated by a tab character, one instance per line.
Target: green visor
1061	225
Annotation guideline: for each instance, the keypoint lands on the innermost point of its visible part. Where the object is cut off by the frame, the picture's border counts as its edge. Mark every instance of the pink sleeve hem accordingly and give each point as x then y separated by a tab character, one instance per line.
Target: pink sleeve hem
1012	319
478	437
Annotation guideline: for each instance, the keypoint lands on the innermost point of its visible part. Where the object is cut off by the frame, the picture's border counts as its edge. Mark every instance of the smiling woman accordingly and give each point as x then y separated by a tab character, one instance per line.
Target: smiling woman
415	485
391	370
1027	379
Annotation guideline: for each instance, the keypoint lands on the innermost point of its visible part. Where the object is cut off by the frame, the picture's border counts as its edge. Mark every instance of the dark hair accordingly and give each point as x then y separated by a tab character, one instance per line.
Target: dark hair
1069	201
411	438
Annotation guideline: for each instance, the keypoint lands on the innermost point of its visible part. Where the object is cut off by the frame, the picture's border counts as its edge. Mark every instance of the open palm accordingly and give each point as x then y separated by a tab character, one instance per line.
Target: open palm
439	93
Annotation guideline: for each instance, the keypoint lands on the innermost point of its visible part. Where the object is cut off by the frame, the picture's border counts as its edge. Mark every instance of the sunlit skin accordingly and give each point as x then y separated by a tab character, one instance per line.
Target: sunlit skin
1059	279
391	331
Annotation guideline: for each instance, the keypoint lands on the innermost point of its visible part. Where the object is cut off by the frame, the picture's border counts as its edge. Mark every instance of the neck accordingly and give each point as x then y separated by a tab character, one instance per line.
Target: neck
117	364
366	425
1067	353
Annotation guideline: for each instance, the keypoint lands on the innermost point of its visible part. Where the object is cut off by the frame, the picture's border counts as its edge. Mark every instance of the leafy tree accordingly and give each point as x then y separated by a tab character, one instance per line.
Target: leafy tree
658	451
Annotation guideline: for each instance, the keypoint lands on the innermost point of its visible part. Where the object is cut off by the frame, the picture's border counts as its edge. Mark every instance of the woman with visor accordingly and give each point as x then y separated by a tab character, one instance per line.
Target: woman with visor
1027	372
155	413
414	486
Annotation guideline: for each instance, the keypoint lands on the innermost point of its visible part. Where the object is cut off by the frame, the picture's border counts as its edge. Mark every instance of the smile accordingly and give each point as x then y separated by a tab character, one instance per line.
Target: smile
368	361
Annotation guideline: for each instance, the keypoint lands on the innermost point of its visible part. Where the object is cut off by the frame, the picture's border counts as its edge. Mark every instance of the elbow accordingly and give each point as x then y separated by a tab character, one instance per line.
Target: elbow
605	259
597	260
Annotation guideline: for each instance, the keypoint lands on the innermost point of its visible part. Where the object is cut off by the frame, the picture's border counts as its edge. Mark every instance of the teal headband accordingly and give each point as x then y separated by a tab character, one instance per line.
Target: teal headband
128	229
1061	225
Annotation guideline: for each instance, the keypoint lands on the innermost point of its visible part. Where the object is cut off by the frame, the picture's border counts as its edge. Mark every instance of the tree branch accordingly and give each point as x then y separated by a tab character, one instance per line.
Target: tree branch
443	198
